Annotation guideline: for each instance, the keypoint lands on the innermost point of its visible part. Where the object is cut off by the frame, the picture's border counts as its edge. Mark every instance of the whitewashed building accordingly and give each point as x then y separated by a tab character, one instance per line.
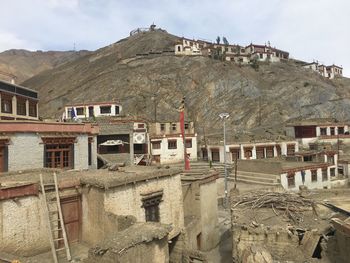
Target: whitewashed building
91	110
167	143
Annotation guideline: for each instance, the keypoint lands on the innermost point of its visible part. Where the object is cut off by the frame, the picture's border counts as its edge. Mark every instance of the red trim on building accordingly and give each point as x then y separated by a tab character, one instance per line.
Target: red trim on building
41	127
19	191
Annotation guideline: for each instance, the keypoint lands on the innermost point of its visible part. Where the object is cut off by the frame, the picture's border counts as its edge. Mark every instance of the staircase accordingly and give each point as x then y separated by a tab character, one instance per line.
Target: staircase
256	178
53	212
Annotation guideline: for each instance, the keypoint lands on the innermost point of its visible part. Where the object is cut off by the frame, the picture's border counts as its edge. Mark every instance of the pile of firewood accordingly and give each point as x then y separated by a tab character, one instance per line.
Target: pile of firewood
291	205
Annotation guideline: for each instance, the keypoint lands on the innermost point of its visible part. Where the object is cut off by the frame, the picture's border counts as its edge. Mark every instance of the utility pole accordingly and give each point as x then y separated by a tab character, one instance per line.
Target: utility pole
224	116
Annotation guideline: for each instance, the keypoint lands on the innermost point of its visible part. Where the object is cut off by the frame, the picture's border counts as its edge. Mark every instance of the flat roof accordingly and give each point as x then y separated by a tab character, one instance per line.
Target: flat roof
16	89
102	178
314	122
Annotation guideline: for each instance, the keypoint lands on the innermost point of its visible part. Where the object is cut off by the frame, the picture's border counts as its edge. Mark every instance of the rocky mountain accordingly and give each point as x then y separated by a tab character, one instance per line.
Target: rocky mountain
152	85
25	64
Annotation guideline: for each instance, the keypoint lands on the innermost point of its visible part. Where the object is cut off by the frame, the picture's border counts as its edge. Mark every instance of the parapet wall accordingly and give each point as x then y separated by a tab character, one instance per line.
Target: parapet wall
258	166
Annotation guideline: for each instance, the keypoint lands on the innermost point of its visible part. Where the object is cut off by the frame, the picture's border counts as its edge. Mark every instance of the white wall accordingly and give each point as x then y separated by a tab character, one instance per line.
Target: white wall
25	151
319	184
175	155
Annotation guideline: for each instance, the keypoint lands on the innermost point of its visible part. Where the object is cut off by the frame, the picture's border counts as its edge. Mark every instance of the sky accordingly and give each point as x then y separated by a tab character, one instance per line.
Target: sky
308	29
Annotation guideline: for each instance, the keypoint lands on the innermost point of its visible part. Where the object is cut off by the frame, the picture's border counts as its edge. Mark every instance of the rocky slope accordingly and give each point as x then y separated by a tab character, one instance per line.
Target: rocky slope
25	64
260	99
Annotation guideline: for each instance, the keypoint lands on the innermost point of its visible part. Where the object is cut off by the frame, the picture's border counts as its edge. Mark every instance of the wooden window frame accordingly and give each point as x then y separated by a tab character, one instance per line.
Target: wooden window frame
6	100
323	131
21	107
289	151
259	151
270	149
33	111
103	108
171	146
162	127
151	206
80	111
158	143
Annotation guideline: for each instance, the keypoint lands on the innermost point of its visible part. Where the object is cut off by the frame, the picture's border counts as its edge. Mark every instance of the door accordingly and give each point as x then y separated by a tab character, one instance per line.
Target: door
2	159
71	210
215	155
91	111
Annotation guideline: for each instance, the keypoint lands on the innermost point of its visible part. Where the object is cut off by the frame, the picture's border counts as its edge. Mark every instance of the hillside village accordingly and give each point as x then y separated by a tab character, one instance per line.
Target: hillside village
171	171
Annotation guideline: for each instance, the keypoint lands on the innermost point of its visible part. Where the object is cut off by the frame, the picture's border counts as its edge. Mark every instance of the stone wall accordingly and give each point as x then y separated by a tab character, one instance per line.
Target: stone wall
125	204
23	226
81	153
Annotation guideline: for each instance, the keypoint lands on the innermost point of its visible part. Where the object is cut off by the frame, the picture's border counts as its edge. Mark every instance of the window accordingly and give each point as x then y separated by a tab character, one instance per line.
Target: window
332	130
33	109
260	153
140	125
89	153
323	131
178	48
313	175
269	152
187	126
172	144
307	158
330	159
324	174
58	156
173	126
21	107
105	109
291	180
151	206
332	172
79	110
117	110
156	145
261	56
6	104
162	127
248	153
188	143
290	149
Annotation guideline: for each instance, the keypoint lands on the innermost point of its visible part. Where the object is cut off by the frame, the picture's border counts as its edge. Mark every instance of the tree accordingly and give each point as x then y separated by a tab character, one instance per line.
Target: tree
218	40
224	39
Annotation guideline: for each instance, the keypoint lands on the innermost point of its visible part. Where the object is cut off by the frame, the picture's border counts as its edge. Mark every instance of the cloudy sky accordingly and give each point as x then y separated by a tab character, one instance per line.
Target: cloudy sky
308	29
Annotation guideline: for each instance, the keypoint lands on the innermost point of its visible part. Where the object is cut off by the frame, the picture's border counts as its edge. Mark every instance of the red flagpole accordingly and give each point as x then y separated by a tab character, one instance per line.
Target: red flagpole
182	127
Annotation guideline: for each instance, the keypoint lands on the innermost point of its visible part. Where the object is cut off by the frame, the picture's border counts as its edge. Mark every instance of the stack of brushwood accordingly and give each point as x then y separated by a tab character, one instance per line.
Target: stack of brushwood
291	205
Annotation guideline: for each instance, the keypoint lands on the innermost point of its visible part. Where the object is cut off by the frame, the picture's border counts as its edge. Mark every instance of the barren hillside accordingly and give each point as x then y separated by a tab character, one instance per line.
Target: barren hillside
255	99
25	64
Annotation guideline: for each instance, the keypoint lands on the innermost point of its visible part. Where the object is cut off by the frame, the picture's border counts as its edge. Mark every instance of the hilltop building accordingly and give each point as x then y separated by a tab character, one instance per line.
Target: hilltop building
236	53
329	72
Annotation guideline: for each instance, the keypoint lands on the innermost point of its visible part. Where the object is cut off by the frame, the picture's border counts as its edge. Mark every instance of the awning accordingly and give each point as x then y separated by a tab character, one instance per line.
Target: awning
113	143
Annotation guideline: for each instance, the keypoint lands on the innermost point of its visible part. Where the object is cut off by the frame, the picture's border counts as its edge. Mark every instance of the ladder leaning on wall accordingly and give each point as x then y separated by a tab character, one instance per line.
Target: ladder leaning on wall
54	218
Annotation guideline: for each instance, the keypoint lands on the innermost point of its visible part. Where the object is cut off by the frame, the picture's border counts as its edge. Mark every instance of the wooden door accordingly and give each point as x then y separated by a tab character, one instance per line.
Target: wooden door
215	155
71	210
2	159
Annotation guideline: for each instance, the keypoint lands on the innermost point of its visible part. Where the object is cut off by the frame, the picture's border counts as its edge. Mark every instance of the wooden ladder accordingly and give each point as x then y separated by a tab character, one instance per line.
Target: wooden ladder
54	218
